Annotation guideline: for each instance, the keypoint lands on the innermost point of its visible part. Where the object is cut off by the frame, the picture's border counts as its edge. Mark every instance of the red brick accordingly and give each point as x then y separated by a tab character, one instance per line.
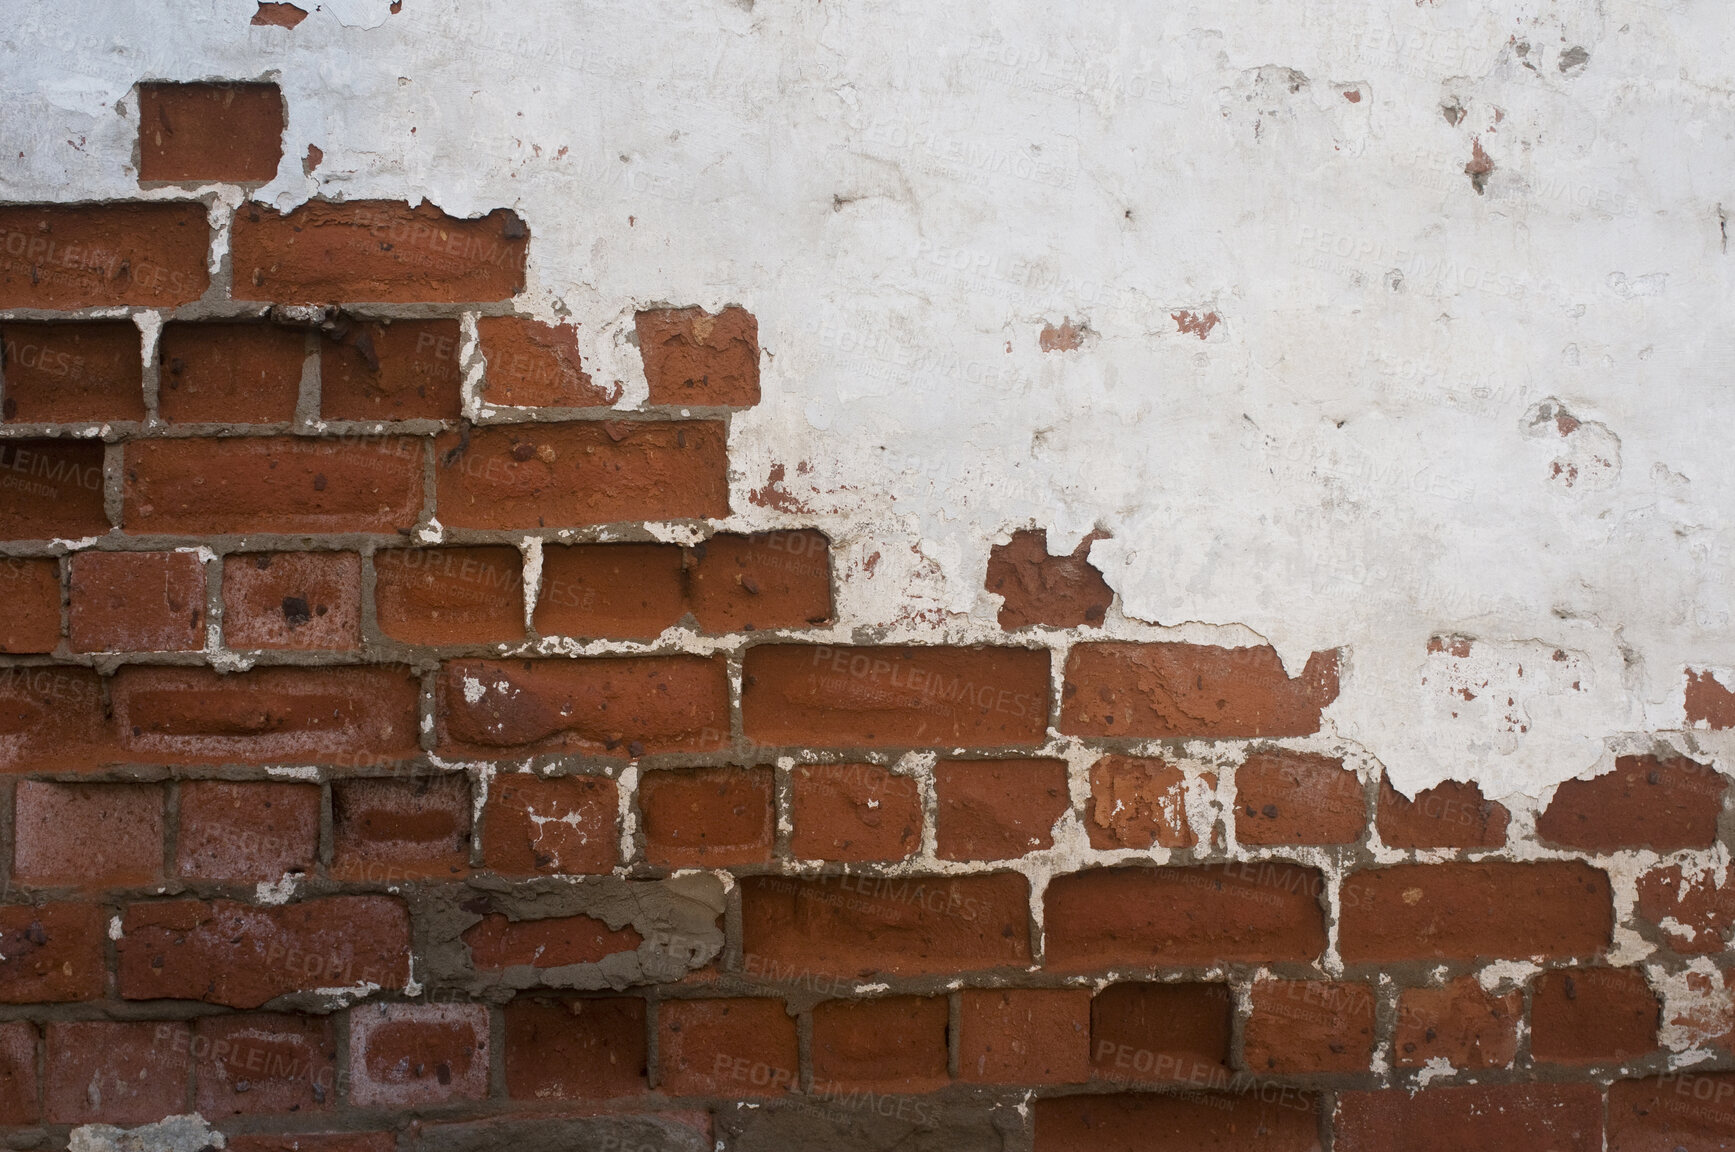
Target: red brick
1149	1122
1301	1026
51	489
890	1044
226	953
496	942
800	694
263	1062
707	817
376	250
1675	1112
524	476
193	133
100	1071
737	1047
1258	912
450	595
252	831
1708	703
618	591
272	484
998	809
273	14
403	1055
312	1141
94	255
390	830
766	580
1192	690
92	835
855	812
392	370
1137	802
53	719
575	1048
1296	798
862	926
1592	1016
1646	802
296	600
1451	814
18	1080
626	706
536	365
566	825
243	373
31	592
1051	591
1556	1117
72	371
1460	1023
138	602
1701	909
52	953
693	357
1024	1036
268	715
1477	910
1158	1033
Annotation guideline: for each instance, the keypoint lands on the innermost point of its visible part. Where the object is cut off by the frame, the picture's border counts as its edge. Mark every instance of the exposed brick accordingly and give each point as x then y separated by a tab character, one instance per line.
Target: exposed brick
389	830
707	817
1646	802
392	370
92	835
277	14
1557	1117
1592	1016
1474	910
1708	703
735	1047
1039	589
565	825
52	953
1191	690
1156	1033
1459	1023
1296	798
53	719
575	1048
848	926
524	476
73	371
1024	1036
800	694
246	831
998	809
1257	912
893	1044
226	953
92	255
1698	909
31	592
1309	1026
281	484
376	250
1451	814
450	595
137	602
1137	802
246	373
496	942
693	357
263	1062
530	364
102	1071
619	591
296	600
403	1055
51	490
625	706
193	133
18	1080
268	715
1676	1112
766	580
311	1141
855	812
1282	1119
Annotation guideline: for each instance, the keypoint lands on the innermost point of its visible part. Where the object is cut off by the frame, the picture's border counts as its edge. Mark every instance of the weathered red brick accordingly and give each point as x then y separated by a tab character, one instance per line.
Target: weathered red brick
91	255
72	371
193	133
1270	1118
1593	1016
18	1080
1024	1036
736	1047
693	357
1191	690
856	812
292	600
496	942
1302	1026
217	373
385	831
392	370
51	490
1475	910
311	1141
1708	703
107	1072
93	835
575	1048
1557	1117
1137	802
1147	1033
53	719
52	953
1675	1112
564	825
31	592
998	809
1297	798
137	602
619	591
1646	802
263	1062
246	831
403	1055
1451	814
767	580
376	250
1457	1022
450	595
1052	591
707	817
893	1044
531	364
276	14
1700	910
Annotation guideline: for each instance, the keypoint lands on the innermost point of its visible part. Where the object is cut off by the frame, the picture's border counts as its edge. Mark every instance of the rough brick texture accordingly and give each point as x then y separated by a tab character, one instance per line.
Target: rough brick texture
31	589
305	600
198	133
137	602
71	371
246	373
1646	802
1465	911
531	364
693	357
92	255
1164	690
853	812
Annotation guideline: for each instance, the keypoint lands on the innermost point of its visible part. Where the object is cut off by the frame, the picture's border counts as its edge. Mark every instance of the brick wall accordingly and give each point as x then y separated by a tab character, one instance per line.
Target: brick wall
378	775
